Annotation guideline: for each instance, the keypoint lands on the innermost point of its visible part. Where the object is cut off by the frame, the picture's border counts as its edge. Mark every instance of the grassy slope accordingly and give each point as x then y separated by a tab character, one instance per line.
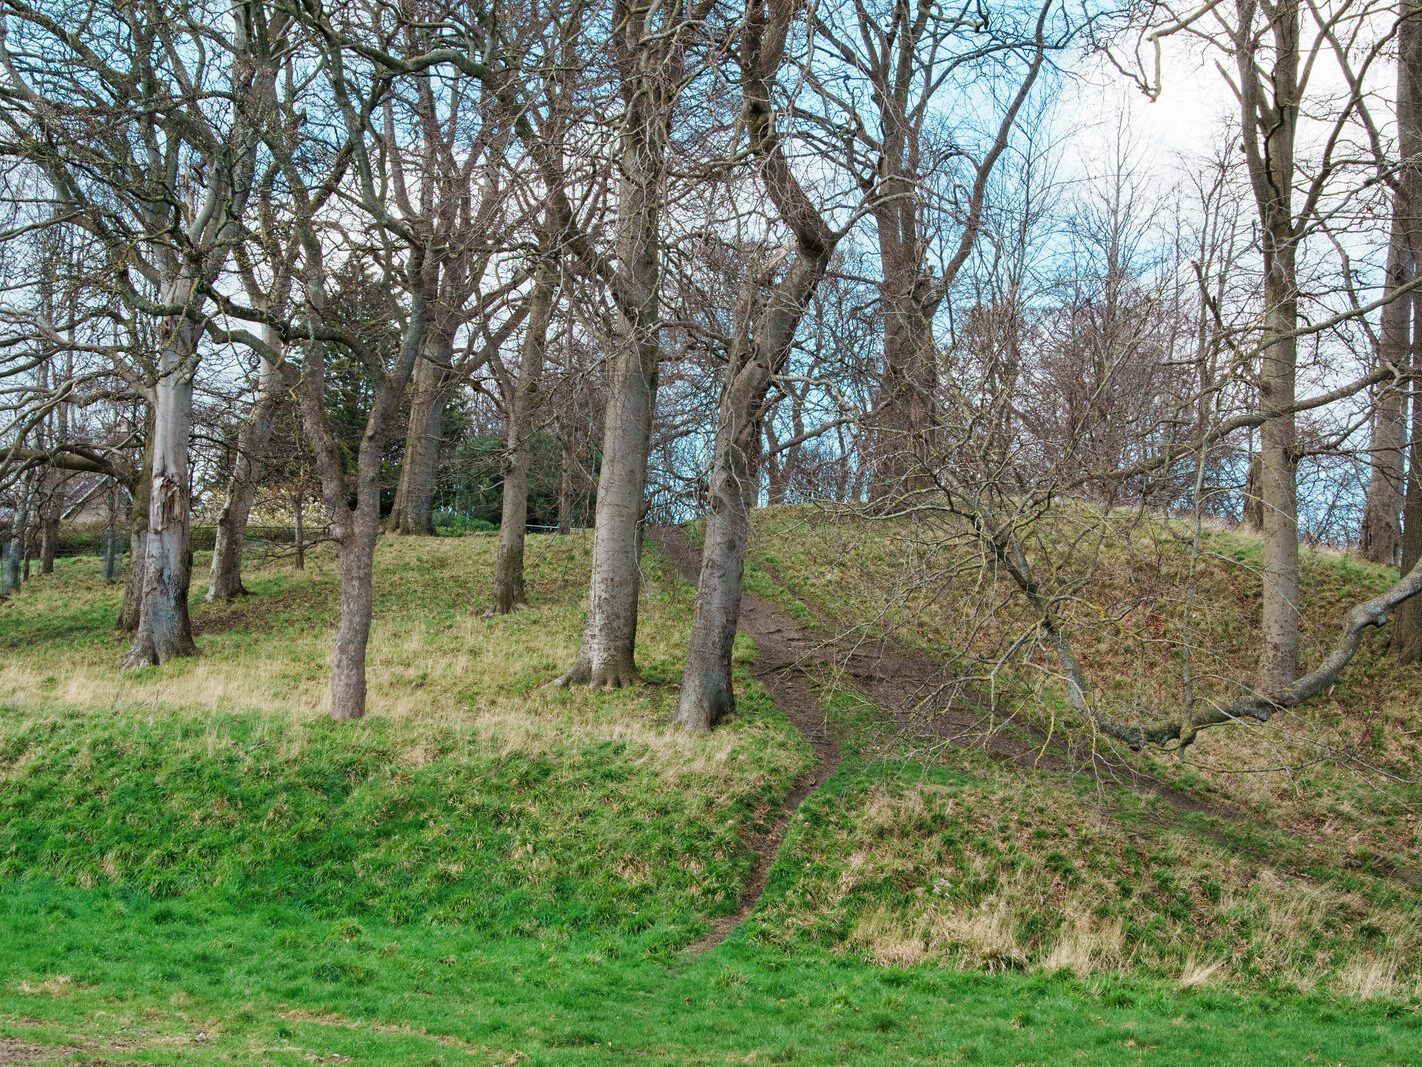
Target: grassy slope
942	854
195	866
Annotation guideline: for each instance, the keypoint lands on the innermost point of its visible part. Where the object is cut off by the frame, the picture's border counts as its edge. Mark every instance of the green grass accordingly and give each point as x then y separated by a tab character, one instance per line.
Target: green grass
280	985
197	867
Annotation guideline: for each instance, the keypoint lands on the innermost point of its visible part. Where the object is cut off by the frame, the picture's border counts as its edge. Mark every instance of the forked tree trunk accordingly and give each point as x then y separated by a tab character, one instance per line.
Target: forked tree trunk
518	455
413	510
759	349
253	439
164	630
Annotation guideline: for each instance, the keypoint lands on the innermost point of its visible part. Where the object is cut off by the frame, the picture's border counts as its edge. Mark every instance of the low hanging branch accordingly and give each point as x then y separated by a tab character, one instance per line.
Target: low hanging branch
1182	730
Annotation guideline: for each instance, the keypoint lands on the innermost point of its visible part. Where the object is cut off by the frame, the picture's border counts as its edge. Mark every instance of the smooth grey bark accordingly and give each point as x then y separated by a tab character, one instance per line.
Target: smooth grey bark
759	347
164	629
413	509
649	54
1269	103
253	440
518	454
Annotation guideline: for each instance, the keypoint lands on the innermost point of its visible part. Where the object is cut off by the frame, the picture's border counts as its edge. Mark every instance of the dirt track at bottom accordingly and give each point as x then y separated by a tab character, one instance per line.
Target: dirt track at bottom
781	667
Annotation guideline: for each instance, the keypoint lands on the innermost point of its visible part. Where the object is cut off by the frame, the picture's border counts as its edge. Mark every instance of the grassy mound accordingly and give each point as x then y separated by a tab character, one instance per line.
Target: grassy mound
195	866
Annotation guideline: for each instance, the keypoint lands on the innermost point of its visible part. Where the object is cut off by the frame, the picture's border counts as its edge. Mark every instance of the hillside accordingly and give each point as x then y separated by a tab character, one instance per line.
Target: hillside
196	866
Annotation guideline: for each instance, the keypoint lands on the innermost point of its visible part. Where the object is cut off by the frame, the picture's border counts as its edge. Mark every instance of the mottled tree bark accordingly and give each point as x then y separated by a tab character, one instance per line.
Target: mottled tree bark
164	630
19	535
518	454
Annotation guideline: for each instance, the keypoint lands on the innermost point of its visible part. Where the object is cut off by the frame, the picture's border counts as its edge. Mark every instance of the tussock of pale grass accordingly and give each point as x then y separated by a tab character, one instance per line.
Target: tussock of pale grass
1197	972
1085	945
1367	976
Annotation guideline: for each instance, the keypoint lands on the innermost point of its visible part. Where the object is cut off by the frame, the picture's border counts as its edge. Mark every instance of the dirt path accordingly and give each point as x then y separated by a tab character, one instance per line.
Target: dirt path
922	700
783	669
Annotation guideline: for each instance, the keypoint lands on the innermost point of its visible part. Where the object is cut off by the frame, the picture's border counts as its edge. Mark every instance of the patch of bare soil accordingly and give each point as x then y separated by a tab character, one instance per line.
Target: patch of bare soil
15	1051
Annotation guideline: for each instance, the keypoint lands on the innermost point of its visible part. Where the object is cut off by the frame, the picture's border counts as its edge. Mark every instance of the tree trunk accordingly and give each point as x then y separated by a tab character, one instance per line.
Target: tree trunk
137	542
1269	95
1253	513
253	439
357	564
606	657
1381	535
518	456
1278	493
164	630
413	511
706	692
19	536
225	576
565	488
762	344
1407	207
903	423
111	542
1407	623
49	531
